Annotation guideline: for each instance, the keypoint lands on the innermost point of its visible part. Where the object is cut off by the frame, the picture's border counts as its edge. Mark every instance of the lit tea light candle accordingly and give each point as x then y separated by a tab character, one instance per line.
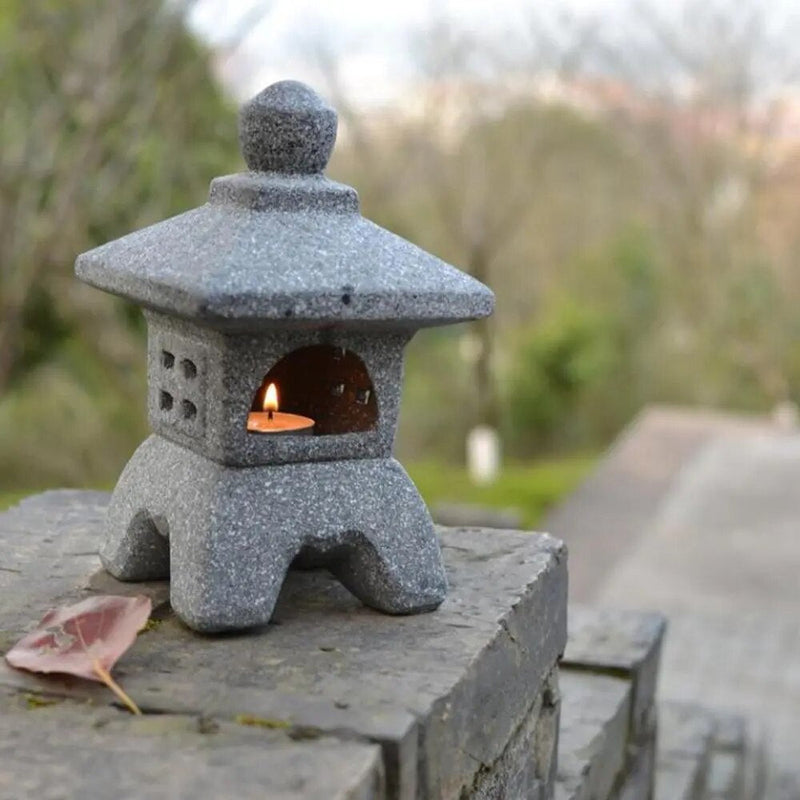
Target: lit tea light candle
270	420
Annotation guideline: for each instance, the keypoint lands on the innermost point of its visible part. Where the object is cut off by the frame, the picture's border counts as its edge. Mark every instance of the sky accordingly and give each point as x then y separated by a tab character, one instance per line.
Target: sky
371	36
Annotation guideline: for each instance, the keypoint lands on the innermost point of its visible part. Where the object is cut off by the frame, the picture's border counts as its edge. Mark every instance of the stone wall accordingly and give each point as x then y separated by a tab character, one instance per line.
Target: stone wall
618	743
608	727
333	700
349	703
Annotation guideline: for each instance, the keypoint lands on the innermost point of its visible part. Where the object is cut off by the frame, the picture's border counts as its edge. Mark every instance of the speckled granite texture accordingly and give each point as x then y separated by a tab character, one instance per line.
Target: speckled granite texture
229	370
234	532
279	259
283	247
287	128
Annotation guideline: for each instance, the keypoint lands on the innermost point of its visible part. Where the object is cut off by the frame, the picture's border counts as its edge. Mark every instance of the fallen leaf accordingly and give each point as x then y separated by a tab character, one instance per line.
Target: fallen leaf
85	639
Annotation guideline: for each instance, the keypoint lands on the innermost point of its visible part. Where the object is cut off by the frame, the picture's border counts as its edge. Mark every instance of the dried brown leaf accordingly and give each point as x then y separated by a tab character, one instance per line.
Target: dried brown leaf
85	639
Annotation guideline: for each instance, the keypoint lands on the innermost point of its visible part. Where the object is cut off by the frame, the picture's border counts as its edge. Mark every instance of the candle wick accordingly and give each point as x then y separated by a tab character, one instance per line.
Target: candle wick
269	415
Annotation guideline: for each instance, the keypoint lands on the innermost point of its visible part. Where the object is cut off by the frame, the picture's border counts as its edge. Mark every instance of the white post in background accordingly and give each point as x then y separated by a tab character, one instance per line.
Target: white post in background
483	455
786	416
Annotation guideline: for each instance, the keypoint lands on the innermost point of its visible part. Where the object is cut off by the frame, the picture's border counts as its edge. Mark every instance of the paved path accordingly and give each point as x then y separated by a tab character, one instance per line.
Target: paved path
605	517
713	542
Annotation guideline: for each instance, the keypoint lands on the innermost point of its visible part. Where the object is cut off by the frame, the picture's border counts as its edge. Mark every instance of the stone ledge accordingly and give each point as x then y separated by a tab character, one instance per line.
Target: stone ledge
71	750
624	643
707	754
609	654
442	693
593	737
685	738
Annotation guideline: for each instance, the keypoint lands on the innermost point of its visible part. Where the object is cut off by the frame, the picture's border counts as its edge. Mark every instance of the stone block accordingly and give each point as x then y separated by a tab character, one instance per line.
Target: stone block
594	733
450	696
678	779
69	750
639	781
627	643
526	770
685	738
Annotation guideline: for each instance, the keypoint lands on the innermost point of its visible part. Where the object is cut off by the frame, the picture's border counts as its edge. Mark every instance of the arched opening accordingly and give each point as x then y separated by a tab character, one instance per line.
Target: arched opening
329	384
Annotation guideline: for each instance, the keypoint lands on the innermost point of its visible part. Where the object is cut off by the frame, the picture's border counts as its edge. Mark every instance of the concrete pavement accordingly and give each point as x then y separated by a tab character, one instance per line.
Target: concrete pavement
698	517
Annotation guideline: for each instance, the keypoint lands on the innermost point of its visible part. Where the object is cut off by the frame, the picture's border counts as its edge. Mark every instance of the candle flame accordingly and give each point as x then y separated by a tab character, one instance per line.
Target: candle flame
271	398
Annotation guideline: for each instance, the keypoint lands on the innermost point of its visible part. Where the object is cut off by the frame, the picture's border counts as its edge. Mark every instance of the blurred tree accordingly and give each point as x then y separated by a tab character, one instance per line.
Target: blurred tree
517	198
701	105
641	171
474	167
560	361
110	119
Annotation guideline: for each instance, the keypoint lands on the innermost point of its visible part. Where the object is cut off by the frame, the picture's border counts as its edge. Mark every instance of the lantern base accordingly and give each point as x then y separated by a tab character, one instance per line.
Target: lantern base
226	536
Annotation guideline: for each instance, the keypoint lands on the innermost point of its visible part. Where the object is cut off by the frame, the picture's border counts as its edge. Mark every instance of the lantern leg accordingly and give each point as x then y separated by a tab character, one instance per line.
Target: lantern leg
226	536
137	544
394	563
226	577
140	553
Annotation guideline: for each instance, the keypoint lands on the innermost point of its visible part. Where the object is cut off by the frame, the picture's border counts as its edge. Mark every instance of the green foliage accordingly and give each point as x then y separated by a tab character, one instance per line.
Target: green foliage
69	423
437	381
559	362
579	373
8	499
531	489
111	120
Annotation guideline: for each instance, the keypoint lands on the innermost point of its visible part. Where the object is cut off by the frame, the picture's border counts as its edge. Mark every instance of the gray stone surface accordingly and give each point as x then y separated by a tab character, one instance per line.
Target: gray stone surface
725	776
287	128
594	733
67	751
735	770
604	519
444	694
720	559
526	770
685	730
678	779
685	740
695	514
706	755
627	643
277	261
639	780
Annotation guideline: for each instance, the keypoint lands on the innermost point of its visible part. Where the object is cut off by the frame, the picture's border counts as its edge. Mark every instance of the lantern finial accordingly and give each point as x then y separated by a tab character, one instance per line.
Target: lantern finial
287	128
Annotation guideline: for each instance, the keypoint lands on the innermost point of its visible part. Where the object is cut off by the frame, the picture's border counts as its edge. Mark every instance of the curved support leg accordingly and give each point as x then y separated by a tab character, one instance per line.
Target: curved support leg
137	546
391	561
141	553
220	582
391	585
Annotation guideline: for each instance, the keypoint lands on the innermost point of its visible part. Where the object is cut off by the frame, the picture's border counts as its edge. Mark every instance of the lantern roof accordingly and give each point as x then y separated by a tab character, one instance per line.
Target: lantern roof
283	244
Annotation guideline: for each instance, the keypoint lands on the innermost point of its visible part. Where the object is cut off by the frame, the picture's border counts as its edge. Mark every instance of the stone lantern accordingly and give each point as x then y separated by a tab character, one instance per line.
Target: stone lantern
277	317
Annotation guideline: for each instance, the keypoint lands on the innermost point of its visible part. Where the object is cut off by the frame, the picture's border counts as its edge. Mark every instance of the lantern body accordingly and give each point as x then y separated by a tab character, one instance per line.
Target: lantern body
276	279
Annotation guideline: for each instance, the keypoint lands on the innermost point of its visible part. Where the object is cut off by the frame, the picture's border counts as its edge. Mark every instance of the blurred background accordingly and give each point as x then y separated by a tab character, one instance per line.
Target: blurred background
624	175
